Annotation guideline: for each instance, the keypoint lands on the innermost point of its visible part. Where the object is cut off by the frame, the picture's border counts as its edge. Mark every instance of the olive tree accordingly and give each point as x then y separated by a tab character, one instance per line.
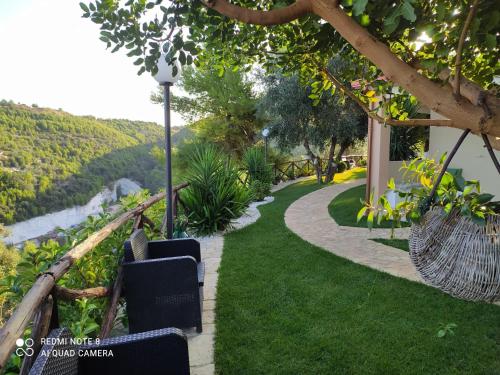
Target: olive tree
294	120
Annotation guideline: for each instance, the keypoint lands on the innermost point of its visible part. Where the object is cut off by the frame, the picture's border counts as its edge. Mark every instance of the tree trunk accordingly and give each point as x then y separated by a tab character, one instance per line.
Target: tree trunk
314	159
343	147
330	171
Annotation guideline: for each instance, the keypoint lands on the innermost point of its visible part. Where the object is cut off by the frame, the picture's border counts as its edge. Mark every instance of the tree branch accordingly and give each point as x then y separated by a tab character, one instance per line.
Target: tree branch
463	114
257	17
375	116
461	42
72	294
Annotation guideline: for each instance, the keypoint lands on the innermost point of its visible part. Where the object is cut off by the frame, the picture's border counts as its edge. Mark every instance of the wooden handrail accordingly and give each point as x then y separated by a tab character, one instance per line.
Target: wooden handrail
42	287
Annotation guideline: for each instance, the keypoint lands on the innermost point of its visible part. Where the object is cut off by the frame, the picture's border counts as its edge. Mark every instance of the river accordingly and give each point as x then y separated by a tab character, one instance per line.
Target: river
41	225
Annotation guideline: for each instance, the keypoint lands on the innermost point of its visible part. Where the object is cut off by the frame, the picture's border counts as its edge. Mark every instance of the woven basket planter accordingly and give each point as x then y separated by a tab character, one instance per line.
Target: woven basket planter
457	256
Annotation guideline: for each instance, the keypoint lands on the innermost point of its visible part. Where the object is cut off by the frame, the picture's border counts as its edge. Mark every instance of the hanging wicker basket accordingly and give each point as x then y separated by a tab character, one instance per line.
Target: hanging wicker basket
456	255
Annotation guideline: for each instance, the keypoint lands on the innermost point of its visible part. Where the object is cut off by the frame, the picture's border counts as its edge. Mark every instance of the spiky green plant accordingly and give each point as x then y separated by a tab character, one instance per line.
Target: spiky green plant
255	162
215	195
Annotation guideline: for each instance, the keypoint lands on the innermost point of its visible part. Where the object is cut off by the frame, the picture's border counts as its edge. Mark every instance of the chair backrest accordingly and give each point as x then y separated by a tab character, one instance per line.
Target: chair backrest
162	351
175	247
58	355
136	248
162	293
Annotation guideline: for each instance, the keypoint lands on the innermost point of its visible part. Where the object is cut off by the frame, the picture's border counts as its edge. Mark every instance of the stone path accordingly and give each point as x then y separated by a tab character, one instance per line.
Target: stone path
309	218
201	346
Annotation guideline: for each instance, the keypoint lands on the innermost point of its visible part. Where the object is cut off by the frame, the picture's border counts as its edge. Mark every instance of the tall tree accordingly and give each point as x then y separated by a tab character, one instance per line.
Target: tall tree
445	53
294	120
221	106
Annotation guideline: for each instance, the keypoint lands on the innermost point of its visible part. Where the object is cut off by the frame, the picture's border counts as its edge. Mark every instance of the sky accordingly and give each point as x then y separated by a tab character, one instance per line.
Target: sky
52	57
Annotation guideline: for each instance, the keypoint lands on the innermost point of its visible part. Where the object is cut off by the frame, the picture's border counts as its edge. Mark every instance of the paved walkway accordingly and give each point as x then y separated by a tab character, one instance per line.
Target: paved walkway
309	218
201	346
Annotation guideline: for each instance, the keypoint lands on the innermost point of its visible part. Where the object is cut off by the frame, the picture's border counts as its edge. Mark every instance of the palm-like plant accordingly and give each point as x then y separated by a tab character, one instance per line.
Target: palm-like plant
255	163
215	195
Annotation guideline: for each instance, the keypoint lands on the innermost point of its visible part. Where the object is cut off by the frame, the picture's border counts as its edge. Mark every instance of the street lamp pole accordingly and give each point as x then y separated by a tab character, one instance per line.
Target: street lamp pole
265	134
168	160
168	73
265	149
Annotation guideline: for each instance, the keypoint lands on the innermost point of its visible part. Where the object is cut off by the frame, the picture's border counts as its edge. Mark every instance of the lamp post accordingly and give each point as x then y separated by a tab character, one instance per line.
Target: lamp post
265	134
167	78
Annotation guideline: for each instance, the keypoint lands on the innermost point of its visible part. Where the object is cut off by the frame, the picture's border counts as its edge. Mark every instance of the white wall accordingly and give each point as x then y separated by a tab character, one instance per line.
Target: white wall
472	157
379	155
394	170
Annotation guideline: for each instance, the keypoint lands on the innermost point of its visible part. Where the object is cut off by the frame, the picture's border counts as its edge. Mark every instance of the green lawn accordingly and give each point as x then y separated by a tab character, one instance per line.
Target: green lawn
351	174
345	206
285	306
398	243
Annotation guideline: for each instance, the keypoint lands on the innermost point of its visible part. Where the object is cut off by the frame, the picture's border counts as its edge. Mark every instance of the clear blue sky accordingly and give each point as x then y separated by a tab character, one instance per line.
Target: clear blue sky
54	58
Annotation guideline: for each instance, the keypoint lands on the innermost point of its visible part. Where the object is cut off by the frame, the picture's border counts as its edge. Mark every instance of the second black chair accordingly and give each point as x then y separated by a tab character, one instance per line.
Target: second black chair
163	283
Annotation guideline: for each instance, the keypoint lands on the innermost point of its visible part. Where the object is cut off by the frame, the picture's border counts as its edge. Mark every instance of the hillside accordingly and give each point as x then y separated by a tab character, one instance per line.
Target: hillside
50	159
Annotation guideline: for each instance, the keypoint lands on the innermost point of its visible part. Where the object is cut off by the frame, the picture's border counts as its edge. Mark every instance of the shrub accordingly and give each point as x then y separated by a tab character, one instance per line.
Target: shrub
98	268
215	195
255	162
260	189
361	163
453	194
9	258
341	166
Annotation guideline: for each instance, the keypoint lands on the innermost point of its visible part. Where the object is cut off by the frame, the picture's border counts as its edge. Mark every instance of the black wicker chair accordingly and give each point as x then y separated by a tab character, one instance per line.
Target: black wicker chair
163	351
163	283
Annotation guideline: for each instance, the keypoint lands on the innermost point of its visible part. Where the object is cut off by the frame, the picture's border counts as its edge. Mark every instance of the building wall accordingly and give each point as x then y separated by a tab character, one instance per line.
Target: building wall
472	157
394	170
379	154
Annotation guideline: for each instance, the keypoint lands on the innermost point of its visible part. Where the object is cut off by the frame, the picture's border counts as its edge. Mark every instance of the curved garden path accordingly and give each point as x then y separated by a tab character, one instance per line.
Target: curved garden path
309	218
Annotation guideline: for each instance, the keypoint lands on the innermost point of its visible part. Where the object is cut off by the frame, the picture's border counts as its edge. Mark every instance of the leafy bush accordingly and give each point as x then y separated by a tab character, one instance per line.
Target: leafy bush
215	196
9	258
453	193
260	173
98	268
362	163
259	189
341	166
255	163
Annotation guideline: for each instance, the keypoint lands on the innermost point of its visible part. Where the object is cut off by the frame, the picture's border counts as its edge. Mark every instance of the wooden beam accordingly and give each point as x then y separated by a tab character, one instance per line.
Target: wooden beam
110	315
41	325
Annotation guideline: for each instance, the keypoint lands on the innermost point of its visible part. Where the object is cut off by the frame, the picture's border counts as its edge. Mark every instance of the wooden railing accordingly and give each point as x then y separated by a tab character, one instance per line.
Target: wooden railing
293	169
40	302
288	170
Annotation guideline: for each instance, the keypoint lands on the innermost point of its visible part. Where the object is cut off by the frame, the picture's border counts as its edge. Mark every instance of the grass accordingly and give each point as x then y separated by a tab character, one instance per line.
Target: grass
394	242
350	174
345	206
285	306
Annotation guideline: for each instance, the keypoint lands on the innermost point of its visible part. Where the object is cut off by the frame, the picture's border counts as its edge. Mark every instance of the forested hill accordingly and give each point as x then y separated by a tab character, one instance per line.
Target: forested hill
50	159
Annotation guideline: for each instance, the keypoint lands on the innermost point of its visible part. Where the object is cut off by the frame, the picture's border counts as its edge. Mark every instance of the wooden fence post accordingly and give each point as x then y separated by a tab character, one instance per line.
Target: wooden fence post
40	329
110	315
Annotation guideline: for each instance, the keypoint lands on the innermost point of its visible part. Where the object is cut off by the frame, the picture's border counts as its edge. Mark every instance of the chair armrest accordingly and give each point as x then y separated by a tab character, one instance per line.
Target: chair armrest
174	248
201	273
